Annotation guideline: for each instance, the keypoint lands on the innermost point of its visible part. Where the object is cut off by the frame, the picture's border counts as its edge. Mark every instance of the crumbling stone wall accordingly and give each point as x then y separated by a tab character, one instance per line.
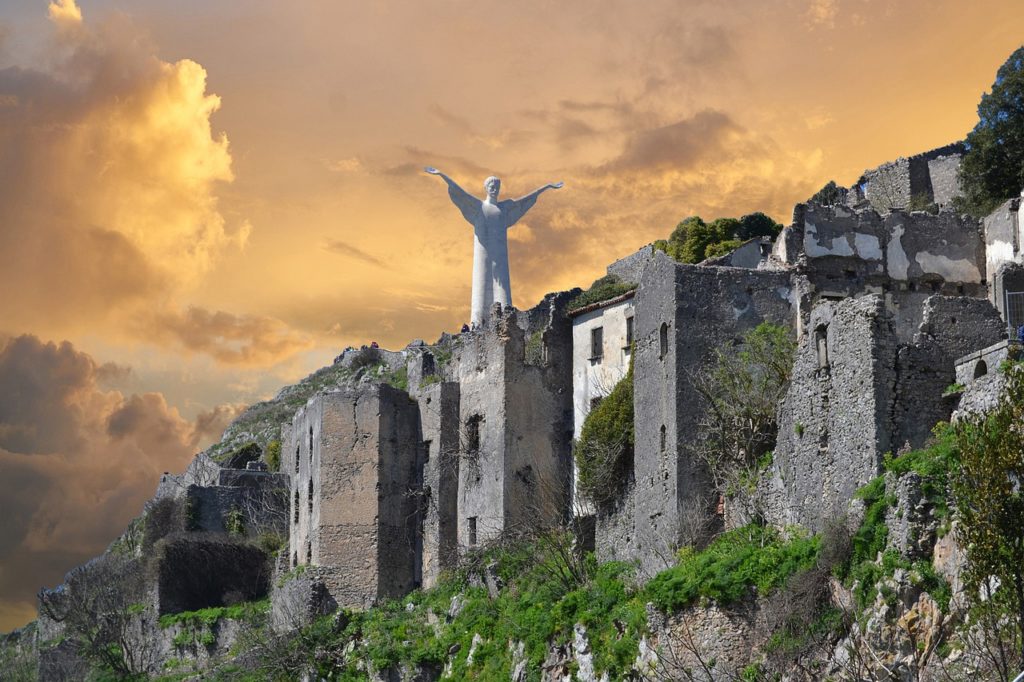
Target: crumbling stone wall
951	327
683	313
439	420
631	267
835	422
931	175
355	496
944	174
201	471
299	598
906	257
194	572
515	415
251	502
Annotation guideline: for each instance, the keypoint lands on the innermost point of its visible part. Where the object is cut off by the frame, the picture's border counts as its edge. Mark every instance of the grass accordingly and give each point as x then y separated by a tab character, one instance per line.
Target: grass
209	616
737	564
871	560
953	389
538	607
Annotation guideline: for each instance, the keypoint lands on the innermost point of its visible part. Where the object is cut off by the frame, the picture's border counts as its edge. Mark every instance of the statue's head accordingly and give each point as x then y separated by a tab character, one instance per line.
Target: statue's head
492	186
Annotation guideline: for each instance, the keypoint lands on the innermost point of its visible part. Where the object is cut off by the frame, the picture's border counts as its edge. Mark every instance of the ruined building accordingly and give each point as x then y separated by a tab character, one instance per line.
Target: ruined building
380	489
883	301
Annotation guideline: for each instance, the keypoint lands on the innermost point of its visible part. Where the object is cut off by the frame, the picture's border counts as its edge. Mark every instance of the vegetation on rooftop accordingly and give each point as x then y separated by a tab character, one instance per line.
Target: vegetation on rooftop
603	289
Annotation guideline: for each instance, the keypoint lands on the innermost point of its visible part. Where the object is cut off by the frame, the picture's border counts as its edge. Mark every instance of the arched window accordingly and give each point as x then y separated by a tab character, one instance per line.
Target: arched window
980	369
663	340
664	438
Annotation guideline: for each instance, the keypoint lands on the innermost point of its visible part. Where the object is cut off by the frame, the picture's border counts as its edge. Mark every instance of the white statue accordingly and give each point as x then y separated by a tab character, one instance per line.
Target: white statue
490	219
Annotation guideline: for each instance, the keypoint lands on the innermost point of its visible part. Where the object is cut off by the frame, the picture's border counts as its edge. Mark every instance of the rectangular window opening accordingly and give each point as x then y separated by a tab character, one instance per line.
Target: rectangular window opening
472	435
471	528
596	343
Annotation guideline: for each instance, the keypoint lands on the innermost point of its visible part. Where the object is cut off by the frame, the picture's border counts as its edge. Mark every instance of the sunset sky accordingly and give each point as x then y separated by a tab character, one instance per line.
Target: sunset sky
202	201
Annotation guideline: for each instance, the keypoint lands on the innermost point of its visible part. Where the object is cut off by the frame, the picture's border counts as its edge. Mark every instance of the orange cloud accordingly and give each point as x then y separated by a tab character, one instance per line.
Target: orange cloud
111	170
250	340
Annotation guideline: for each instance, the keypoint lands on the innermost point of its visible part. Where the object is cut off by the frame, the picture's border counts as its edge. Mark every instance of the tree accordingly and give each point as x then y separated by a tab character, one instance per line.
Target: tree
993	167
741	389
694	240
98	606
757	224
987	491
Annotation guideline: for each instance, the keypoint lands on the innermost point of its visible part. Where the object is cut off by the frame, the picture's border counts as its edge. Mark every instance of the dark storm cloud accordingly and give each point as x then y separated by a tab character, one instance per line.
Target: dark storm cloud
78	461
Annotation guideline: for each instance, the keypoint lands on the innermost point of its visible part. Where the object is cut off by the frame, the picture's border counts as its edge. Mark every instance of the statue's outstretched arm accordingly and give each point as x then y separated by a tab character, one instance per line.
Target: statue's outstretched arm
467	203
517	209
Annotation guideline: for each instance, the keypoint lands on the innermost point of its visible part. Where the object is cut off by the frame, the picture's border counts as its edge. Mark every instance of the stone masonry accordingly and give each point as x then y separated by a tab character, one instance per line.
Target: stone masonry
683	313
515	422
355	455
834	423
439	420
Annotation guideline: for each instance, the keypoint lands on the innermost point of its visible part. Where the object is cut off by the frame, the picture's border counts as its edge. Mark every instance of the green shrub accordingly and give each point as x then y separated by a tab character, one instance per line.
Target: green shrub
989	501
603	289
727	570
721	248
870	562
604	451
829	195
273	455
271	542
234	522
534	350
430	379
922	202
398	379
953	389
208	617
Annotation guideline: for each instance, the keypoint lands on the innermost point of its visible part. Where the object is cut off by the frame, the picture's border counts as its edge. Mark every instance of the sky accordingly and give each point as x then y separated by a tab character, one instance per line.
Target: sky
203	201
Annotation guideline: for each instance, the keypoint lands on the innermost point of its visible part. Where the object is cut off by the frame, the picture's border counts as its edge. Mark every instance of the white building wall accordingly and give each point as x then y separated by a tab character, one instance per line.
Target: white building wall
595	377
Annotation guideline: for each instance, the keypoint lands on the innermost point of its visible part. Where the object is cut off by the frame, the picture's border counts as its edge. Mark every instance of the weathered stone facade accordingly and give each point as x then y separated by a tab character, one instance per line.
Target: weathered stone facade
858	393
356	454
515	416
834	424
683	313
439	420
905	257
926	178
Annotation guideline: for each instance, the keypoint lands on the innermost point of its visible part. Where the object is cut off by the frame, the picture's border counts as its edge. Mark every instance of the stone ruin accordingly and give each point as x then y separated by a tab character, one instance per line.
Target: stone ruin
882	302
381	489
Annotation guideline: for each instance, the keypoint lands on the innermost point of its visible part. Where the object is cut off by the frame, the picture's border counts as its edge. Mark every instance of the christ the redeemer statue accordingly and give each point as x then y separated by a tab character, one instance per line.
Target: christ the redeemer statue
490	219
